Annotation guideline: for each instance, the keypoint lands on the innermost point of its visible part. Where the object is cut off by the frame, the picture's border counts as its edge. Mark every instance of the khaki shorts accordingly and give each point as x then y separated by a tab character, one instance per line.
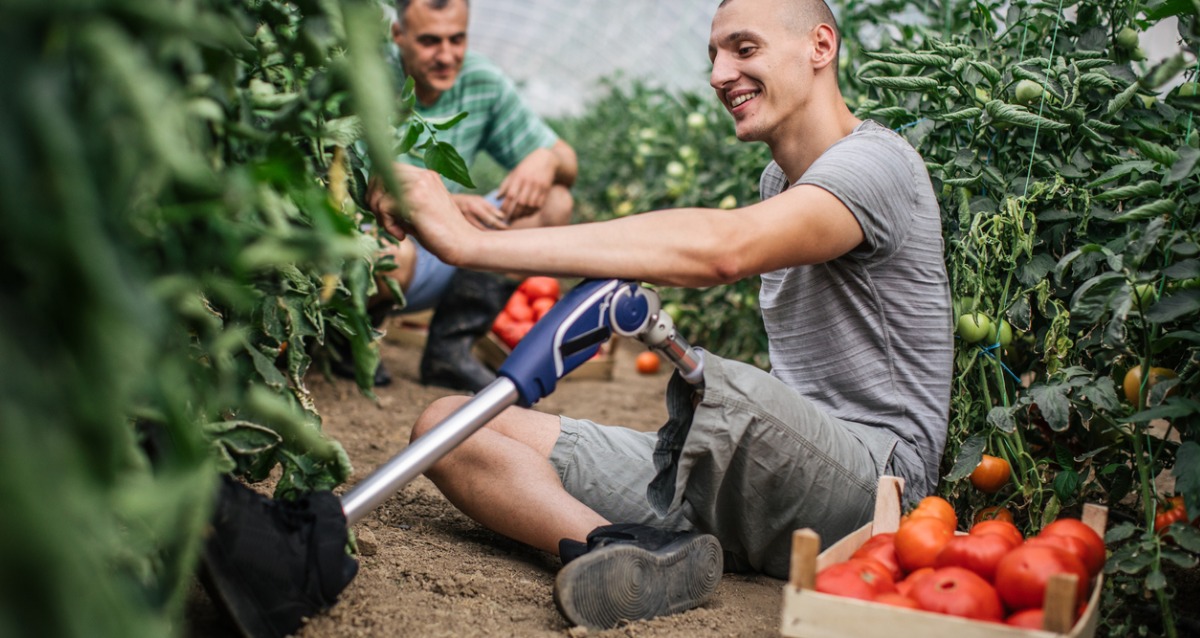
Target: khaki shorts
750	462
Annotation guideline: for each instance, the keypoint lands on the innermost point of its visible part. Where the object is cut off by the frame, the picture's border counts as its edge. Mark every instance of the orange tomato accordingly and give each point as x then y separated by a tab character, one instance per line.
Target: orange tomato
935	507
647	362
1001	528
1133	382
991	474
920	540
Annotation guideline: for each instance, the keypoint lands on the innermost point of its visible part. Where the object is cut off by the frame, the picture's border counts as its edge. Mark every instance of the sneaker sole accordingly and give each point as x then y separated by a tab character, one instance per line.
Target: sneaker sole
621	583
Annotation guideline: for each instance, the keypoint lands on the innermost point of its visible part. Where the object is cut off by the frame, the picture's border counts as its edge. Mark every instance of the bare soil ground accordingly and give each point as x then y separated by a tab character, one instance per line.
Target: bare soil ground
427	570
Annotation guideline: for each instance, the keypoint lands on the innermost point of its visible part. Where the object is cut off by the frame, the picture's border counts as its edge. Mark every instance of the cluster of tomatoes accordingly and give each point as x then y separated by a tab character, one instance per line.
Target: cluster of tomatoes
990	574
532	300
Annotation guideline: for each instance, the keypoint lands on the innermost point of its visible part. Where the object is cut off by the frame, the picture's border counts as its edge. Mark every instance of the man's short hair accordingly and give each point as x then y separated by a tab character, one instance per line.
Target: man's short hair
436	5
803	15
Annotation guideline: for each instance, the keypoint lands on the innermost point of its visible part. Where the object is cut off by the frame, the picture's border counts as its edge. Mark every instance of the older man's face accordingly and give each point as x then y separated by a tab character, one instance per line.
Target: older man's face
432	45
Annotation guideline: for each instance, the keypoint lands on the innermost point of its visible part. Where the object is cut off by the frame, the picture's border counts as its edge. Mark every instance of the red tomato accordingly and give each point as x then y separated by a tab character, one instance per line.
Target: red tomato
919	540
1069	544
1022	574
1027	619
905	586
518	307
860	578
958	592
502	322
897	600
935	507
647	362
995	513
979	553
881	547
539	287
540	307
991	474
1096	551
1007	530
1172	510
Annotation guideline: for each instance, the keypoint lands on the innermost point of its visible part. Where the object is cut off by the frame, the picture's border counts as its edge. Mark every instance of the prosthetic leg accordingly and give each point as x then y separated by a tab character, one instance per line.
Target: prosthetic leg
270	593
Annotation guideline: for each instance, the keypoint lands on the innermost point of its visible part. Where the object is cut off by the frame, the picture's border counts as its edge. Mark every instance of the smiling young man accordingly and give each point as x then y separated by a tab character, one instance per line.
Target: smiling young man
847	240
431	38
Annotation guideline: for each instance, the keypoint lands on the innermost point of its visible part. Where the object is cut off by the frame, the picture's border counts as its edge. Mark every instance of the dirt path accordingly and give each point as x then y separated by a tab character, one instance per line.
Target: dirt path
427	570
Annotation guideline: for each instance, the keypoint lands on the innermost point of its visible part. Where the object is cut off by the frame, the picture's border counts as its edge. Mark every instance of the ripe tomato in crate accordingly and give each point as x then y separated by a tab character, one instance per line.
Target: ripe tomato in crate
808	613
534	297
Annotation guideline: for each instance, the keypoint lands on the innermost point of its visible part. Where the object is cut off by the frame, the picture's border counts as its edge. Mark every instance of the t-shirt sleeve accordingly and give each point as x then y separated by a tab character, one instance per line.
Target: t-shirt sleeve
872	173
514	130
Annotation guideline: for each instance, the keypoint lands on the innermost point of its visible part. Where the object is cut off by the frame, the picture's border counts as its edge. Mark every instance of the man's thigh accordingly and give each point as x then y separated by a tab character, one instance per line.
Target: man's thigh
609	468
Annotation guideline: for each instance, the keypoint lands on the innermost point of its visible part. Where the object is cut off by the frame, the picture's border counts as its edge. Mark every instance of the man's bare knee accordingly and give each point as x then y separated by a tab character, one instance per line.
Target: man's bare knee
435	414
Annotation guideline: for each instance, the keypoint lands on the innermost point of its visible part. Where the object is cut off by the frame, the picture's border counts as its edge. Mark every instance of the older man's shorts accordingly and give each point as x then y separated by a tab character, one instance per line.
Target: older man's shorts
747	459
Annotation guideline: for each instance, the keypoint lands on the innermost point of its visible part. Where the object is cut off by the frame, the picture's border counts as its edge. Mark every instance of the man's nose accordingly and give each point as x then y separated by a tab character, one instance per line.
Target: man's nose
723	72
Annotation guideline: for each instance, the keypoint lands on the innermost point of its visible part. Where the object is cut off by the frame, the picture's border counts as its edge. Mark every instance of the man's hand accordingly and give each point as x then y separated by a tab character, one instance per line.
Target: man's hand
481	213
387	210
524	190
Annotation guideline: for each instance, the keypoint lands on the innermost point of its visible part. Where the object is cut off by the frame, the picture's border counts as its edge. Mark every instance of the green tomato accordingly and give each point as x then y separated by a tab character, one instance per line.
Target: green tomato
973	327
1143	296
1028	91
1001	333
672	310
1138	54
1127	38
728	202
1187	89
696	121
675	169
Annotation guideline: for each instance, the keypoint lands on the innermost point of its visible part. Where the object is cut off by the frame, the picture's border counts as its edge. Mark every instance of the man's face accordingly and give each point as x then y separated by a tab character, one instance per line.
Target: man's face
758	70
432	45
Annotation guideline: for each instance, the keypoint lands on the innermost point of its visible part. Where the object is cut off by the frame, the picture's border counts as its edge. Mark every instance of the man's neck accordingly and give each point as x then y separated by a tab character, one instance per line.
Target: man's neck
825	122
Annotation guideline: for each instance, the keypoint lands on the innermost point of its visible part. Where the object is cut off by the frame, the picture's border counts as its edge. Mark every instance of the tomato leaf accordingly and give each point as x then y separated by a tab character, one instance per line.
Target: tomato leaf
1187	474
969	456
1003	419
1187	537
1054	405
1184	165
442	157
1118	533
1179	304
1156	580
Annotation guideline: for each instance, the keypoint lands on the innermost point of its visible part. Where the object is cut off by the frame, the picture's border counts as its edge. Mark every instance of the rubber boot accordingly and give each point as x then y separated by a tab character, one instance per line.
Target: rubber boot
463	315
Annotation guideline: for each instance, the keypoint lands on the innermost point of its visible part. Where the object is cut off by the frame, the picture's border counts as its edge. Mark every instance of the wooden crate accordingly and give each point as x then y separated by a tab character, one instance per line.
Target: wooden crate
808	613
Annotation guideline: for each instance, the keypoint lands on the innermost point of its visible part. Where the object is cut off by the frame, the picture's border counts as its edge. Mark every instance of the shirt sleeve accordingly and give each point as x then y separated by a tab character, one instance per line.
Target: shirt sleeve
872	173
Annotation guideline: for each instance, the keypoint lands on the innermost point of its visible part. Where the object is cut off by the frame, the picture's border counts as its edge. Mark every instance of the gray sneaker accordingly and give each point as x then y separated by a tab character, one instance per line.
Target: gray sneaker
635	572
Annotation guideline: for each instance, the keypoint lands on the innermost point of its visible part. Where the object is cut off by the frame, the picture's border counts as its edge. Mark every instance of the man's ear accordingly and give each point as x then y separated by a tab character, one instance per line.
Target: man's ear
825	45
396	31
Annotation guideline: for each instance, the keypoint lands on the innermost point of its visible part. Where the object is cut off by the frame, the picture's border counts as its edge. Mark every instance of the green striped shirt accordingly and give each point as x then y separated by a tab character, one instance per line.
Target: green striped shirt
498	121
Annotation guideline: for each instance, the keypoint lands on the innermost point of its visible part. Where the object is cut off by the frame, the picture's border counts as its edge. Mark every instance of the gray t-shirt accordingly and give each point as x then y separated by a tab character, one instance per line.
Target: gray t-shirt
867	336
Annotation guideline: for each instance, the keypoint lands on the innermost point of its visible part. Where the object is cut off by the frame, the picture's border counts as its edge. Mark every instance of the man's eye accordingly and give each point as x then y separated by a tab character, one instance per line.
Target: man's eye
746	50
